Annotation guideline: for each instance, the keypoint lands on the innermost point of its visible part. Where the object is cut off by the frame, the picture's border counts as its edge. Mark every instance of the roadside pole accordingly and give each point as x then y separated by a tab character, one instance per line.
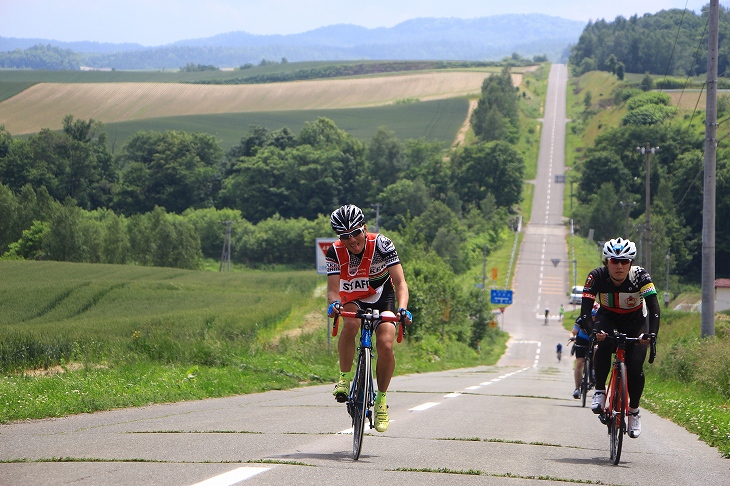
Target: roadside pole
320	249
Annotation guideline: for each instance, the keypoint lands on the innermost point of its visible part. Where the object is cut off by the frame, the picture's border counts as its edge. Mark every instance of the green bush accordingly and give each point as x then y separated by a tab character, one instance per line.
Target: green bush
649	115
648	98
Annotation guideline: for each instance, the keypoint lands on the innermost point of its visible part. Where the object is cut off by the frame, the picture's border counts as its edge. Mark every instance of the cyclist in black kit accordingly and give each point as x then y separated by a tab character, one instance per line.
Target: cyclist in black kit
621	289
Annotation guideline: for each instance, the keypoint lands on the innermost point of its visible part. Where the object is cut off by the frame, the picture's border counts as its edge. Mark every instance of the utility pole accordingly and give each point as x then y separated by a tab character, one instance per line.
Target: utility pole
667	295
484	269
708	202
226	253
377	216
627	206
647	151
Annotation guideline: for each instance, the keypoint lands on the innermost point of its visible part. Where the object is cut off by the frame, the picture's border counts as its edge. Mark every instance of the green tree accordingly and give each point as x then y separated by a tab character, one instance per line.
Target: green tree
30	244
494	167
210	226
402	201
588	100
498	93
386	158
66	239
172	169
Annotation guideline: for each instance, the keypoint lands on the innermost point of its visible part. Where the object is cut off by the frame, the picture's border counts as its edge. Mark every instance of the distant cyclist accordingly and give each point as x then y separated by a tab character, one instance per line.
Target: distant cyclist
559	350
580	349
621	289
363	270
547	315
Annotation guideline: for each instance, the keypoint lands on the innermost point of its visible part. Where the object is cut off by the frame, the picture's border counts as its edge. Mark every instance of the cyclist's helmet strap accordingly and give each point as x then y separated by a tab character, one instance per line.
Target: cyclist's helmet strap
346	218
619	248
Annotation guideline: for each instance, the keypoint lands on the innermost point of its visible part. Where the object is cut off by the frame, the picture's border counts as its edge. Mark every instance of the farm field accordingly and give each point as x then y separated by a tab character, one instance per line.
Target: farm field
437	120
44	105
57	303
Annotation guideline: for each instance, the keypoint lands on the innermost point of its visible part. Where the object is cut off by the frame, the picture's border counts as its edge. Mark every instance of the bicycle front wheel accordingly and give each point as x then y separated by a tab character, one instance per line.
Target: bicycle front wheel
617	424
360	397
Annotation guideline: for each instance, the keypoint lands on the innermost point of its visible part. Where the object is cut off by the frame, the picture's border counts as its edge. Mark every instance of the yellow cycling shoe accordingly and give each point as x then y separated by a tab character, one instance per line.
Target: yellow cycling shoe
381	416
342	389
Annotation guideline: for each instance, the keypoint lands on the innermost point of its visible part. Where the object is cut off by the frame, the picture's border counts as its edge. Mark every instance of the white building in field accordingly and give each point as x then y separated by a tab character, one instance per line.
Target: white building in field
722	294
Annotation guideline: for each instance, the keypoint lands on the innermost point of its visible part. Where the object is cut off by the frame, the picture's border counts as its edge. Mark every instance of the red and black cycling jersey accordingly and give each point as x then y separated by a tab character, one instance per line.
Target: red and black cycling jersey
625	302
384	256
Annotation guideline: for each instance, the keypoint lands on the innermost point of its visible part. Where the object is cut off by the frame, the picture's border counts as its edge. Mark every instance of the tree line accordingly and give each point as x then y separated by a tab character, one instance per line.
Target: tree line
671	42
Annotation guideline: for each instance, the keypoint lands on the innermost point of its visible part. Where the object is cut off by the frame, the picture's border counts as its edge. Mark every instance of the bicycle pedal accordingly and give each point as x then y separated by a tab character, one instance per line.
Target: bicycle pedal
341	398
603	419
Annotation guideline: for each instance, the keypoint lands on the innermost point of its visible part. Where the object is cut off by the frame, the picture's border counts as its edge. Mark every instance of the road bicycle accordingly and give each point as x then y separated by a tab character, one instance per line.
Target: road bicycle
362	392
615	412
587	380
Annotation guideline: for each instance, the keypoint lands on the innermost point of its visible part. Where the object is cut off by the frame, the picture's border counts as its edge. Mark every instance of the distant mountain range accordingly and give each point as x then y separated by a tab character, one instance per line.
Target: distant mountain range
480	39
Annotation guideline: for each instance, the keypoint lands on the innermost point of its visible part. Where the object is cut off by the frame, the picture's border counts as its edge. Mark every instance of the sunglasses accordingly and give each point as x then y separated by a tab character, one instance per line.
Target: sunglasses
351	234
619	261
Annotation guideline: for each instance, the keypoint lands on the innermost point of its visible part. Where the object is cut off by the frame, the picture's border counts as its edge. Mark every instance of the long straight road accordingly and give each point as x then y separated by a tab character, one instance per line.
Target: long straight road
511	424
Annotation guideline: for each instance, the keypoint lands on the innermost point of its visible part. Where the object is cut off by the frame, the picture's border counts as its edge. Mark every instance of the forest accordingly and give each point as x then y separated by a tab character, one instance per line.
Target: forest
669	43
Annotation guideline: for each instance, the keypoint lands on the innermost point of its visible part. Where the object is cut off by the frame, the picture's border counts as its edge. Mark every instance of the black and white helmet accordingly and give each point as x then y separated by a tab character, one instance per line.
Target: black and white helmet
346	218
619	248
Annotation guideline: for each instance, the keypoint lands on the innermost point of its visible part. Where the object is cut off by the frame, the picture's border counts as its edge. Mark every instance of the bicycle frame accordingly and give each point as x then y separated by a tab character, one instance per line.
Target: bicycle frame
362	390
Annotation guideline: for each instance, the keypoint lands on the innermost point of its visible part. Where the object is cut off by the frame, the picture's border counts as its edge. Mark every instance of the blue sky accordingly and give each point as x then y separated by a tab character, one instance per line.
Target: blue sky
158	22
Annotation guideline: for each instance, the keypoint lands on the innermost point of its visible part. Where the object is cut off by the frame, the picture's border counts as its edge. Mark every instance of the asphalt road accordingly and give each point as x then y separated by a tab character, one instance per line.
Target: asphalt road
514	423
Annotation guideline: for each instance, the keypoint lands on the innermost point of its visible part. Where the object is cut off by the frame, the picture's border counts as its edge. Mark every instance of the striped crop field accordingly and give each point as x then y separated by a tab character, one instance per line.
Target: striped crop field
44	105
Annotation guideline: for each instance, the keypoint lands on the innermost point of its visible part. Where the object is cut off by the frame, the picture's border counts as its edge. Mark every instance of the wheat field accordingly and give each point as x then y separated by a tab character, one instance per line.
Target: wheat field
44	105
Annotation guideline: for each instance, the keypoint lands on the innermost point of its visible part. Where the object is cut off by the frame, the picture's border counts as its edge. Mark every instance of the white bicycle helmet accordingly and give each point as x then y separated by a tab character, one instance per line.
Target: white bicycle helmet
346	218
619	248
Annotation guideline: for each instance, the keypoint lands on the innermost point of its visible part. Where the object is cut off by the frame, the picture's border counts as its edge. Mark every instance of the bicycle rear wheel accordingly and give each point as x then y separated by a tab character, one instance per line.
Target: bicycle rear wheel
360	400
617	423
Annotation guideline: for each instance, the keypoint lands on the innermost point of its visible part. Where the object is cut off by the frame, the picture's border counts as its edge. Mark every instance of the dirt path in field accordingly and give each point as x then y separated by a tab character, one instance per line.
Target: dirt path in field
467	124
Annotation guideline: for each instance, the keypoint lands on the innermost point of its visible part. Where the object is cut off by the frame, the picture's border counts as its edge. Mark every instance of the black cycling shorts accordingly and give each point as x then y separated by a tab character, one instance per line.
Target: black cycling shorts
580	348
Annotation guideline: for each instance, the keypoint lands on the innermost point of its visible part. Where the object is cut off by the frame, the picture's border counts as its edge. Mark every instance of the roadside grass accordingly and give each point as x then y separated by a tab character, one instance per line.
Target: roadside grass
689	382
80	338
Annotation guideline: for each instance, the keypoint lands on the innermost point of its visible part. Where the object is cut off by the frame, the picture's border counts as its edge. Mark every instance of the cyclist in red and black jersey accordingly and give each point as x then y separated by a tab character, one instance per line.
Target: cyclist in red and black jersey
622	289
363	270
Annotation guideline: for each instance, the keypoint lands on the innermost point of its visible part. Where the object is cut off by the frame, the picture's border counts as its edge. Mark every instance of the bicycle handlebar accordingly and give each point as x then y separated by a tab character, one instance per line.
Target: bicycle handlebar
371	315
619	337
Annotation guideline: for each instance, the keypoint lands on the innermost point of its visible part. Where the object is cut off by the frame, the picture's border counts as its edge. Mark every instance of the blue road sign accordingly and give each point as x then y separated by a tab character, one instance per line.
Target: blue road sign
500	296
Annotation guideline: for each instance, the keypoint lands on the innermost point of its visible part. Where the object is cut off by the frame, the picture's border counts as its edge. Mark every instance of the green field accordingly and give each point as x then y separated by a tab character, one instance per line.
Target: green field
85	337
437	120
57	303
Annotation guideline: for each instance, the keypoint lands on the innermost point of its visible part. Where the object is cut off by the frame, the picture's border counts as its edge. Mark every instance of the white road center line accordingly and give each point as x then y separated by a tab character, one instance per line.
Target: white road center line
233	477
423	406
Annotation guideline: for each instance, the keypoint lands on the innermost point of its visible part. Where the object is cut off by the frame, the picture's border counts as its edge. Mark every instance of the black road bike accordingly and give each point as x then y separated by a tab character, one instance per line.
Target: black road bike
362	392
